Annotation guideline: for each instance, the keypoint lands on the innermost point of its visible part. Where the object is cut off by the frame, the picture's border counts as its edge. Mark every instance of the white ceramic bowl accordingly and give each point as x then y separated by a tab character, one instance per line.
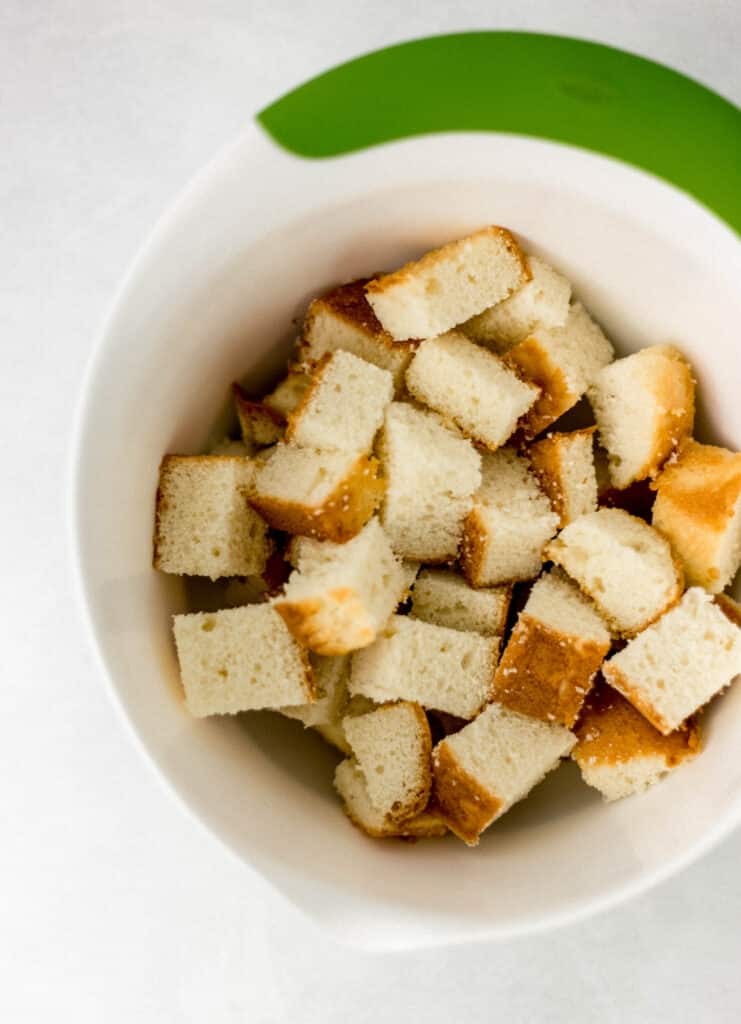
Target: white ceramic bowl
212	296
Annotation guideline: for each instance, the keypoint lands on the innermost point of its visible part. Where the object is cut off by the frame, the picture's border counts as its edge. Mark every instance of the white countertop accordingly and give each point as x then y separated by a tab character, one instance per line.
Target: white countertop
115	907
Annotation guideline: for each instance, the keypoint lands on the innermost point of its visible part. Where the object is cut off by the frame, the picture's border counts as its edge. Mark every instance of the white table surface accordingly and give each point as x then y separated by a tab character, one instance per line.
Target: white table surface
114	907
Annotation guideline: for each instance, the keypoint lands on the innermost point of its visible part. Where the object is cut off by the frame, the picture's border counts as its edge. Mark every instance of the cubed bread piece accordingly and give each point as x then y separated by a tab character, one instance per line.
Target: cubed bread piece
287	394
329	495
240	659
553	653
543	301
342	594
343	406
698	509
562	362
619	752
674	667
436	667
470	386
392	747
509	525
351	785
260	425
444	598
644	405
431	475
343	320
623	564
564	466
481	771
204	525
331	676
448	285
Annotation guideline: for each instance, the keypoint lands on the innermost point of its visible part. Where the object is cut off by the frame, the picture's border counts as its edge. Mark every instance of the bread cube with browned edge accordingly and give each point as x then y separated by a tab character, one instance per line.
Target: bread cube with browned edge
329	495
439	668
350	783
288	392
240	659
443	597
564	466
553	653
204	525
676	665
509	525
625	566
698	510
543	301
341	595
259	424
491	764
619	752
644	406
431	474
331	676
392	747
448	285
562	362
471	386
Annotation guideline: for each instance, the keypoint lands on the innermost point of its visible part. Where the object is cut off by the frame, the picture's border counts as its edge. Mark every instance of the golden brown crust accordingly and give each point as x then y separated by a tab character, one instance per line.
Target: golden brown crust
674	394
340	517
534	364
463	803
730	608
546	674
316	377
317	623
546	461
348	303
260	425
473	548
426	825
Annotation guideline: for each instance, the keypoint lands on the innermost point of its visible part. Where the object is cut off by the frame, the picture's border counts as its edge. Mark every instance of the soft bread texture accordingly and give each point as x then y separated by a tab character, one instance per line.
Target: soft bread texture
543	301
481	771
470	386
562	362
564	466
674	667
619	752
240	659
431	475
343	320
392	747
329	495
553	653
444	598
344	405
342	594
350	783
260	425
331	676
287	394
623	564
439	668
698	510
448	285
644	406
204	525
509	525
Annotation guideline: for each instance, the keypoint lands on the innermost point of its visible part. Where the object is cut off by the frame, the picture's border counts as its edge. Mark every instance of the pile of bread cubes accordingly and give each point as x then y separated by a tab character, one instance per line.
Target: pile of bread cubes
418	559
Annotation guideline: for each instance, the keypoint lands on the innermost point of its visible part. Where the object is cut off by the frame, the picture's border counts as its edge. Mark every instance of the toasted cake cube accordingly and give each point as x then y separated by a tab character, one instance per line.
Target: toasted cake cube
342	594
509	525
564	466
351	785
343	406
436	667
329	495
343	320
698	509
676	665
444	598
562	362
204	525
644	405
431	475
392	747
543	301
623	564
240	659
448	285
481	771
553	653
260	425
288	393
331	676
619	752
471	386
